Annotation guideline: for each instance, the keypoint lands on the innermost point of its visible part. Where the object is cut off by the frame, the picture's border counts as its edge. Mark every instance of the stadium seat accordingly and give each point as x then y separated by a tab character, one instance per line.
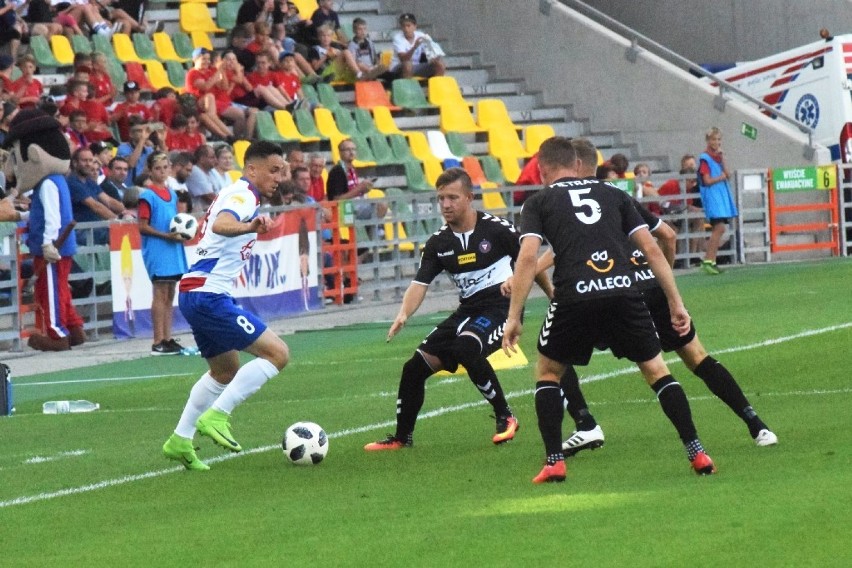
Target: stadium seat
165	48
135	72
200	38
474	169
306	7
457	118
235	175
408	94
81	44
287	127
195	17
364	152
491	113
266	129
364	122
183	45
42	52
159	77
444	90
503	142
384	121
440	148
62	51
402	209
535	134
116	71
370	94
310	94
415	178
457	144
306	124
401	149
240	147
124	50
510	167
492	170
328	97
421	150
144	47
382	150
177	73
328	128
345	122
103	44
226	14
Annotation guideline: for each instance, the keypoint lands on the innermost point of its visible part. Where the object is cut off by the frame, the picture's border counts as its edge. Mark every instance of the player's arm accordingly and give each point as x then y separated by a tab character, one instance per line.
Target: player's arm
665	278
544	262
227	224
145	228
666	240
411	301
525	272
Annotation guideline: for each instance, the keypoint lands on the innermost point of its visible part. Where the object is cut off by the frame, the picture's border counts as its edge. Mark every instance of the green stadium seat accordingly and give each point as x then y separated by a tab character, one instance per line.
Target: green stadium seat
407	93
306	124
345	122
226	14
310	94
401	149
81	44
177	73
365	153
116	71
381	149
182	44
492	170
415	178
42	52
104	45
328	97
144	47
364	122
266	129
457	144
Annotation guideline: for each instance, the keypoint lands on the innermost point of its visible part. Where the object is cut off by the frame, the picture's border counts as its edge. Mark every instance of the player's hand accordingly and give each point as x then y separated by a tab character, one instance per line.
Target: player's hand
511	334
176	237
680	319
261	224
50	253
506	287
396	326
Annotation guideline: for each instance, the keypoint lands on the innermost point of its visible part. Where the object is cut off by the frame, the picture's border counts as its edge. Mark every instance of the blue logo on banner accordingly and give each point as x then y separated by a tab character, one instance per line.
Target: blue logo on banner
807	111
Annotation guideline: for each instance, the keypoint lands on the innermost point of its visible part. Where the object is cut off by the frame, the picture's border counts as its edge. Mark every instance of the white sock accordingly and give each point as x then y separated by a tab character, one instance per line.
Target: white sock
203	394
247	381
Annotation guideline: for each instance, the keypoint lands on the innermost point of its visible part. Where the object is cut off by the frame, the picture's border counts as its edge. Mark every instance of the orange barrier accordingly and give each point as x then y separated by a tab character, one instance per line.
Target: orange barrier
342	249
24	309
790	180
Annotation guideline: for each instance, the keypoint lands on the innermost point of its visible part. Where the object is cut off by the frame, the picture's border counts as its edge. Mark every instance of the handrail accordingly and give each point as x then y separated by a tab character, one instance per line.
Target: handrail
665	53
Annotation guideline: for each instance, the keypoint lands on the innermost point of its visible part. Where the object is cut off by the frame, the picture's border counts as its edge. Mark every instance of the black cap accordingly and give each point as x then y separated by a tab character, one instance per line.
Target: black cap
407	17
30	121
6	62
131	86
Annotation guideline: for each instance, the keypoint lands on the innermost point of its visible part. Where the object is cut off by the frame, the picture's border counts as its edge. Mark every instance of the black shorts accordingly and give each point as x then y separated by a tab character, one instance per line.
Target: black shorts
170	278
719	220
657	304
572	330
486	324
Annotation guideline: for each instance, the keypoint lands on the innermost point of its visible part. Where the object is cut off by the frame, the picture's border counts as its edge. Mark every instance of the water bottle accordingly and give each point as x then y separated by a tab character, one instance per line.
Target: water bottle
69	406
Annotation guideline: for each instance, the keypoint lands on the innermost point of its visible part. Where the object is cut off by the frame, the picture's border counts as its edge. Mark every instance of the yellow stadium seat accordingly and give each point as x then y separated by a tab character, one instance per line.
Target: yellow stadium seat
62	50
384	121
287	127
159	77
201	39
493	201
503	142
444	90
535	134
240	147
165	48
328	128
386	57
195	17
306	8
492	112
457	118
124	49
510	167
235	174
422	151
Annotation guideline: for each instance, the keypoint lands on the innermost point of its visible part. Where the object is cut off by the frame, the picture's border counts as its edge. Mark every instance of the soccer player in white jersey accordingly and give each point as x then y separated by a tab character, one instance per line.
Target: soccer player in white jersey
220	326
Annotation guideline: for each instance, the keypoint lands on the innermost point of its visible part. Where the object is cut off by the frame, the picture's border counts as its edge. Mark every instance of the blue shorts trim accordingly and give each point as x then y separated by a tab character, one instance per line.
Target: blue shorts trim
218	323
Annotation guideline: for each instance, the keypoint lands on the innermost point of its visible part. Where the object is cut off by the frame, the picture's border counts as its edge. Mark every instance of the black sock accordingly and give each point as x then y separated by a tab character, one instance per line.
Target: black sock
575	402
468	352
412	391
674	403
548	407
722	384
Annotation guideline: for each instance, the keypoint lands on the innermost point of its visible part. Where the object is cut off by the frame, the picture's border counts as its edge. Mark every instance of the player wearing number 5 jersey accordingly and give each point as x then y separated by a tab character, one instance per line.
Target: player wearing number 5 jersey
587	223
220	326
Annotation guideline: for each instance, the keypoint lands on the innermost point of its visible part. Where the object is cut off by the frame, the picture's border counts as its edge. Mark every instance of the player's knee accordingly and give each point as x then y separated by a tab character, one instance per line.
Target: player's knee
467	349
280	356
416	369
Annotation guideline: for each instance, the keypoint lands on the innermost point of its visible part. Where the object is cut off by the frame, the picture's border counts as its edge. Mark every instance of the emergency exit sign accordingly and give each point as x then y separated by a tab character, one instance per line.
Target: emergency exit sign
748	131
804	179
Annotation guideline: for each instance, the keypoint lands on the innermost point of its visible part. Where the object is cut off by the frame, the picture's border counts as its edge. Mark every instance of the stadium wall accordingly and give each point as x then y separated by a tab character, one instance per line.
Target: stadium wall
577	62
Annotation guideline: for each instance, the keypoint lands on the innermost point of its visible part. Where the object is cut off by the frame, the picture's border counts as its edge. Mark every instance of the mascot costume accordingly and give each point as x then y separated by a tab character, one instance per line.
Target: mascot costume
40	158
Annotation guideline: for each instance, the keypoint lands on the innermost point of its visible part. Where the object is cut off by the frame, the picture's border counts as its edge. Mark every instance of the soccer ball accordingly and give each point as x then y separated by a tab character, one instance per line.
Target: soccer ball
184	224
305	443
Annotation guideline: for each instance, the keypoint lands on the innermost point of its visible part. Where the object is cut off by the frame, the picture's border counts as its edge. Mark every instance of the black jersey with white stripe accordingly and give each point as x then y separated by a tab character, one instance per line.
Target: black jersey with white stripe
478	261
643	276
587	223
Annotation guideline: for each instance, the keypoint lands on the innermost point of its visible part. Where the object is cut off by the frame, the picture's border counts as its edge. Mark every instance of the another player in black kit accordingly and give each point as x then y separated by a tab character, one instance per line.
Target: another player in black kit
587	224
477	250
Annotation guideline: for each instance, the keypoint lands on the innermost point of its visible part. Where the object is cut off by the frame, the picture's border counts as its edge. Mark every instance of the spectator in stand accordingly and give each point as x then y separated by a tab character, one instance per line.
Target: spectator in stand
102	151
213	91
7	65
81	11
162	252
673	188
142	142
8	111
78	124
267	85
411	50
10	28
114	183
165	105
184	134
332	60
716	198
606	171
181	167
219	176
99	77
325	15
290	83
619	165
253	11
296	159
41	19
296	27
199	184
131	204
130	107
529	176
316	168
644	187
262	41
26	90
364	51
344	183
88	201
241	36
122	22
97	115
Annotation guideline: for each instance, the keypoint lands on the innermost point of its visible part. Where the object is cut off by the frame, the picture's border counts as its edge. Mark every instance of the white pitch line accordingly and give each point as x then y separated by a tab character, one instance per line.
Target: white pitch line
19	384
54	457
379	425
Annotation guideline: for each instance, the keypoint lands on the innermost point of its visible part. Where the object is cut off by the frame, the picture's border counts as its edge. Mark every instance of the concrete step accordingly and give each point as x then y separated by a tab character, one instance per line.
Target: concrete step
346	7
497	88
538	115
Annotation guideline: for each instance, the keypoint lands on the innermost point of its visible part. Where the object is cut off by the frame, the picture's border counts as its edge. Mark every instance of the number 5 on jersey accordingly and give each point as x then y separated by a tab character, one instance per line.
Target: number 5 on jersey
579	202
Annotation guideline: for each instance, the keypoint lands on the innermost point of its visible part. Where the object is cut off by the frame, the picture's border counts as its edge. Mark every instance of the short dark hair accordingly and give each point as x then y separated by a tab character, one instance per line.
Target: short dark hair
182	158
604	170
201	151
586	152
179	121
75	157
557	152
261	150
453	175
297	171
77	114
619	163
359	21
117	159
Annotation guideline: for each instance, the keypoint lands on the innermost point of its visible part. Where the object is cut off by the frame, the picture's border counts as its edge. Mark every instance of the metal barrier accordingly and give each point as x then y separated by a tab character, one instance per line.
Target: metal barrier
811	194
341	272
753	222
845	208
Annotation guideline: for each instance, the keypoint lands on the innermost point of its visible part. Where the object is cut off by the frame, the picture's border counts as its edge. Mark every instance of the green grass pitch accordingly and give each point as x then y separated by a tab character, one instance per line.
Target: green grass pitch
93	489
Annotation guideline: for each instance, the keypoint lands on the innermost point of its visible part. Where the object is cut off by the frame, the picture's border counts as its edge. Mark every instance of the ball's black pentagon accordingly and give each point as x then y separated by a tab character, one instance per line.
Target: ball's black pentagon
316	458
297	453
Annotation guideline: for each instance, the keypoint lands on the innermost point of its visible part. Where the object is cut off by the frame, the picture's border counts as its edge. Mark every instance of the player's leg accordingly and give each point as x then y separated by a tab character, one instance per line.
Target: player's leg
168	313
722	384
549	411
713	243
587	434
159	306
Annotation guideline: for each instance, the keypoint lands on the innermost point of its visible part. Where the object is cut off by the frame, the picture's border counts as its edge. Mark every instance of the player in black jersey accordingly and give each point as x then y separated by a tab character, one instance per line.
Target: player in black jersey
588	434
477	250
587	223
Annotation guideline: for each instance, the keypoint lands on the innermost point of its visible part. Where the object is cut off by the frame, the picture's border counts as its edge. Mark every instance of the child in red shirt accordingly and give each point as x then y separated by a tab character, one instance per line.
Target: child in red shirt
99	78
165	105
96	113
26	90
184	134
267	83
130	107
